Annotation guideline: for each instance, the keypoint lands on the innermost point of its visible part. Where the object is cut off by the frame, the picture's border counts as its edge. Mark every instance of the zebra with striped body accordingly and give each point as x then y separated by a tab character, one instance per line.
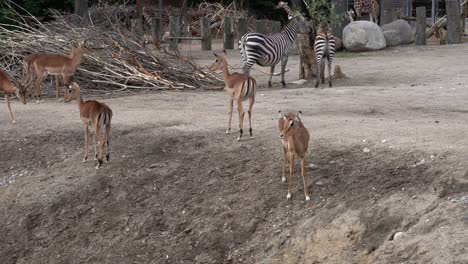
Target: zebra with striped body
269	50
324	47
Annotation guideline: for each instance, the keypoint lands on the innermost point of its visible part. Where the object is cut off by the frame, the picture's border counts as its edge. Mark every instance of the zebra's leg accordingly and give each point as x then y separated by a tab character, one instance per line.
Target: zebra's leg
272	71
329	72
319	68
284	61
322	68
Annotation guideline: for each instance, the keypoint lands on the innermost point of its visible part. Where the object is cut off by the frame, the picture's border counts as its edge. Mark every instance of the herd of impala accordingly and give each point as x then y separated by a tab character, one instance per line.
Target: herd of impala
240	87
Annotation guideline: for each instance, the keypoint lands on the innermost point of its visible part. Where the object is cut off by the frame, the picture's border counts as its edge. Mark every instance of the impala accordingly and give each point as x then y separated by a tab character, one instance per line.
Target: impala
42	64
295	141
97	115
7	87
239	86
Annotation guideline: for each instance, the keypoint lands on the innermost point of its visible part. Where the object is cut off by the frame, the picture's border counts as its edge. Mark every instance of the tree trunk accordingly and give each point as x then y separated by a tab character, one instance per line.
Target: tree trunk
81	7
308	65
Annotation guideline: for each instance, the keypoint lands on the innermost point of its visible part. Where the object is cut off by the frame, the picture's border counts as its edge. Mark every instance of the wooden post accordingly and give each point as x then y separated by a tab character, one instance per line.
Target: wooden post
242	27
173	32
81	7
160	29
308	64
420	38
228	33
155	25
453	22
434	11
409	9
205	33
262	26
275	27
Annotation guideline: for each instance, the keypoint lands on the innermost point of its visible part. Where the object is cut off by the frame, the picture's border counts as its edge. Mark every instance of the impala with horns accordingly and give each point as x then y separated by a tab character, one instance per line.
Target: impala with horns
239	86
7	87
295	142
96	114
42	64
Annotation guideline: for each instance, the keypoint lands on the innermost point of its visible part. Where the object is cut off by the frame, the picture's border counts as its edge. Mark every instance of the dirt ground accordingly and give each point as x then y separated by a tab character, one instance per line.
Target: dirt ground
179	190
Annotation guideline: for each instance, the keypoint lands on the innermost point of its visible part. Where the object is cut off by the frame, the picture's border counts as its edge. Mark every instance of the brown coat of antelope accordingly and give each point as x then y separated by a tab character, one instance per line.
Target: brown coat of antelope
97	115
295	141
53	64
239	86
7	87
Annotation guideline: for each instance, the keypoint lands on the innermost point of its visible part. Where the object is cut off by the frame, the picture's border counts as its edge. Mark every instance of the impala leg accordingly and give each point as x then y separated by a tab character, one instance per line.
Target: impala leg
66	82
37	86
251	103
7	98
304	180
95	145
57	86
86	142
283	178
291	173
241	118
230	106
108	127
97	130
272	71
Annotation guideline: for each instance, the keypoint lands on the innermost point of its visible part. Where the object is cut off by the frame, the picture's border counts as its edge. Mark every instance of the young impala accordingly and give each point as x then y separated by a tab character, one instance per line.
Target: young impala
239	87
95	114
295	141
58	65
7	87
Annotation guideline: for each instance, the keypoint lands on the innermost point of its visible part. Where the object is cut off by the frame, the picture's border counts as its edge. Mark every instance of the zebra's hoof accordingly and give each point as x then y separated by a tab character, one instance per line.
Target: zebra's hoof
269	84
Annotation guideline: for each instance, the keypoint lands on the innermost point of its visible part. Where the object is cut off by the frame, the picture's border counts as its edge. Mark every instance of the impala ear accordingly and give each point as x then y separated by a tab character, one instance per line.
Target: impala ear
281	115
216	55
224	51
298	116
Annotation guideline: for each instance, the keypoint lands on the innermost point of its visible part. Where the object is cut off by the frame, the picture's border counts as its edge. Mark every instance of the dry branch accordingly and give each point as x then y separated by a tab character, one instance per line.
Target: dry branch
119	61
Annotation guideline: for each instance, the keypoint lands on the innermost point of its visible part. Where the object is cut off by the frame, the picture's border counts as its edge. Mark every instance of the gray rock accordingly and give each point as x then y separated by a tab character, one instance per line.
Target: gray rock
392	38
363	36
403	28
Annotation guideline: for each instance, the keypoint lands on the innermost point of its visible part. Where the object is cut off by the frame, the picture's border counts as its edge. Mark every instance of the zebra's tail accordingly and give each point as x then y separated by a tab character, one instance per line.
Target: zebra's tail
242	49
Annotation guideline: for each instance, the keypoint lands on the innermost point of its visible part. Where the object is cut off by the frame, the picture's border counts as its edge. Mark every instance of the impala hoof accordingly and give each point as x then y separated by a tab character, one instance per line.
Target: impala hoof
307	198
95	157
227	130
14	121
99	163
288	196
250	130
283	179
107	157
84	159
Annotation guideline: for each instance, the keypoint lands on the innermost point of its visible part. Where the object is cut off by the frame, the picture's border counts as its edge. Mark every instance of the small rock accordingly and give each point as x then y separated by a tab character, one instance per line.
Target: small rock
152	166
437	121
313	166
300	81
414	196
332	162
398	235
365	150
421	162
319	183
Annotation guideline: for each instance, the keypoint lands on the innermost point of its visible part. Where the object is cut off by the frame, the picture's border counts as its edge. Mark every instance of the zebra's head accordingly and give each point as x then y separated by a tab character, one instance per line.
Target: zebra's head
284	5
220	62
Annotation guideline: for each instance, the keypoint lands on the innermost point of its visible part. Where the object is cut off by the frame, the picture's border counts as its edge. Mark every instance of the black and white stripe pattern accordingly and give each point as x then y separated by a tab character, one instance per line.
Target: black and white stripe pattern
268	50
324	47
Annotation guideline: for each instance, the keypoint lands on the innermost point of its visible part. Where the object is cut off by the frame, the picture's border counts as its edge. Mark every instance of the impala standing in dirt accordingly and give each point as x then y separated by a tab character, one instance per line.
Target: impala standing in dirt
53	64
295	141
7	87
239	87
97	115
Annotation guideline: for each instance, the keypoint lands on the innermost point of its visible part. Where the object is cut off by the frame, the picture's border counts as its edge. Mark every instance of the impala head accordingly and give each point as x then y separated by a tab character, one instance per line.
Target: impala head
74	92
287	122
220	62
22	92
82	47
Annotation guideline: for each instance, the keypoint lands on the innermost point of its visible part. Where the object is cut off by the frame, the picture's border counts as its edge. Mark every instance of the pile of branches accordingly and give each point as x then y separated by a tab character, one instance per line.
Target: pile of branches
216	12
119	62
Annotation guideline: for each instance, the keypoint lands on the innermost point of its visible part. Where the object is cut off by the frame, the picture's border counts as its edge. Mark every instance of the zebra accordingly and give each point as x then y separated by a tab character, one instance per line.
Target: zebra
324	47
269	50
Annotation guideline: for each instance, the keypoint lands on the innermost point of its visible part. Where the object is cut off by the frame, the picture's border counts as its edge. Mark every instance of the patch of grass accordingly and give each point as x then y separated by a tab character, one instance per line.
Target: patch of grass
347	54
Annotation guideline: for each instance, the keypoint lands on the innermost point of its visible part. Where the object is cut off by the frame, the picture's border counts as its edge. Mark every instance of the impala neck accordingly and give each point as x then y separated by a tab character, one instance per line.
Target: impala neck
225	70
76	58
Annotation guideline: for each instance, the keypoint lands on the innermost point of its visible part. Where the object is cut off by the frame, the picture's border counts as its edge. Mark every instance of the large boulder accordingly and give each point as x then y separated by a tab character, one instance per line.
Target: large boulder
403	28
363	36
392	37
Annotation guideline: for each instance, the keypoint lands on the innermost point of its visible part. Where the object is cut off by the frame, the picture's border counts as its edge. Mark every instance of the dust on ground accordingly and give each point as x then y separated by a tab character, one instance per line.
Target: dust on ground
179	190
